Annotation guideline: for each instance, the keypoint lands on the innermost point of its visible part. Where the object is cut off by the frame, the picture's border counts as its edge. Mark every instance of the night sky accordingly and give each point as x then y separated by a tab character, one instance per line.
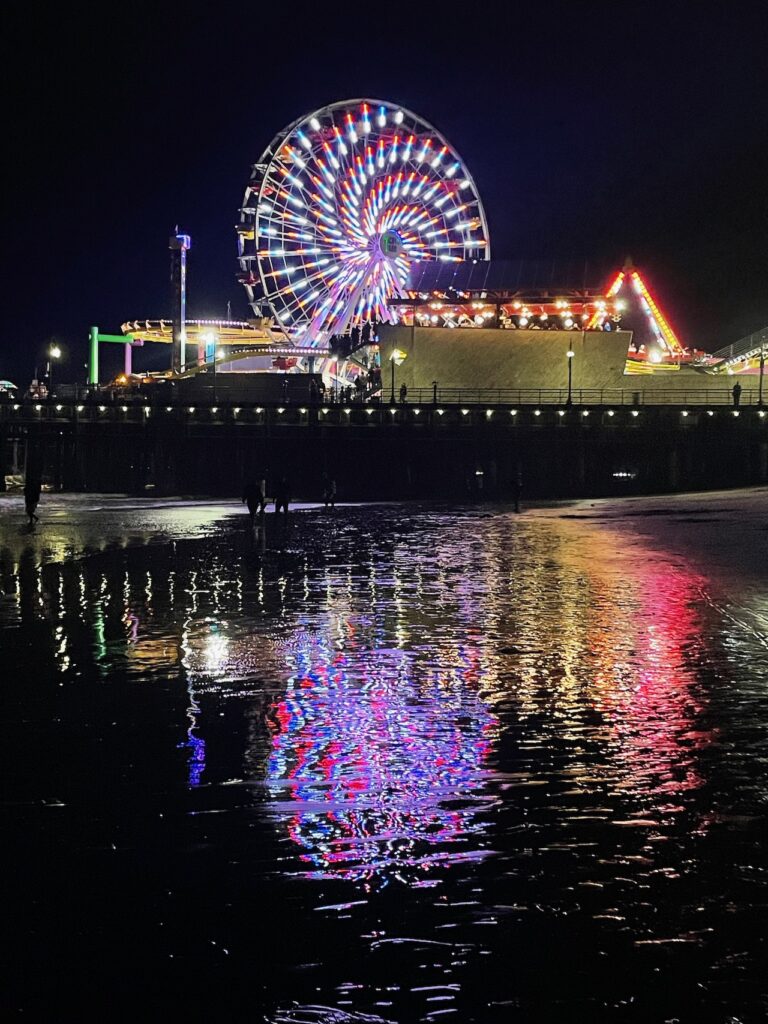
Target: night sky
592	131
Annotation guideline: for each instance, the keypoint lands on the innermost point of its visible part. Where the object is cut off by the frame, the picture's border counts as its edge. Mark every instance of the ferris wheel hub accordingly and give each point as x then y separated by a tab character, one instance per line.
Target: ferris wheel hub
390	244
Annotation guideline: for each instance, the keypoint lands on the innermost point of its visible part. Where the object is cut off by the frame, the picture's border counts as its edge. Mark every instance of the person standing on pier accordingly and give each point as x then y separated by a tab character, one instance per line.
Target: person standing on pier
736	395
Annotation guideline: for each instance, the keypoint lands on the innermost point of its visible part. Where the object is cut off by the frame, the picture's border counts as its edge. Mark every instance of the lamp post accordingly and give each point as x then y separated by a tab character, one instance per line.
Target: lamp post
218	353
395	359
54	353
206	345
569	355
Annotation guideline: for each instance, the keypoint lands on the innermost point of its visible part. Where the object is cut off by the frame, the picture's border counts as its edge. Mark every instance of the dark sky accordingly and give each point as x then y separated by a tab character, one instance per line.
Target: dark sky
592	131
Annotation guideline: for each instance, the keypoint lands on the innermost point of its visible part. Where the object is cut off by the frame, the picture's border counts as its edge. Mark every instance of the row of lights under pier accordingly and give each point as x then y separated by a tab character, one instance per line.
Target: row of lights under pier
370	410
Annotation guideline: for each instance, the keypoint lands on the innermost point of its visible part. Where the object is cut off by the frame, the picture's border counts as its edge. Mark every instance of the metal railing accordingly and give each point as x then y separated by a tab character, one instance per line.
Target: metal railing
744	347
579	396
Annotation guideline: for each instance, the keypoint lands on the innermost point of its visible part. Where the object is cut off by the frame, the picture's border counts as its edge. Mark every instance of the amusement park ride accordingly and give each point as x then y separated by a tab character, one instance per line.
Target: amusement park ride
361	214
339	207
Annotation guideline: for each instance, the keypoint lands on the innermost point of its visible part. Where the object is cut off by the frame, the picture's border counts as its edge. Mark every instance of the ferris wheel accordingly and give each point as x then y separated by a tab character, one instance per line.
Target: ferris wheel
340	204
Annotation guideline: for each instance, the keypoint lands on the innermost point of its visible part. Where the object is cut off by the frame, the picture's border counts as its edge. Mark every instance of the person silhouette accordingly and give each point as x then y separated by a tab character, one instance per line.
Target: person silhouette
32	488
329	491
282	496
517	487
255	496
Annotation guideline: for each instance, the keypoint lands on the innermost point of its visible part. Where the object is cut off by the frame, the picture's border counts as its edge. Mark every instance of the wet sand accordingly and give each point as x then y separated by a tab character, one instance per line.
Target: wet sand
406	762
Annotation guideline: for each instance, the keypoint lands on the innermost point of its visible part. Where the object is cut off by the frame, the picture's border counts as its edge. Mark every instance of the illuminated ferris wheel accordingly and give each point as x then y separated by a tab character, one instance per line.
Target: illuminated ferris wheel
340	204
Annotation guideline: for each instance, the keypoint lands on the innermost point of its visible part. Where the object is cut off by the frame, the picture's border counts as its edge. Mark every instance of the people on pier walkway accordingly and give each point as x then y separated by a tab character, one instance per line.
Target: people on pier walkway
736	395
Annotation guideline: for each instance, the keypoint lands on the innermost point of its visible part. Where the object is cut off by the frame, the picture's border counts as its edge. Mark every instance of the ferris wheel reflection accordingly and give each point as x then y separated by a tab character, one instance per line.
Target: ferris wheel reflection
379	770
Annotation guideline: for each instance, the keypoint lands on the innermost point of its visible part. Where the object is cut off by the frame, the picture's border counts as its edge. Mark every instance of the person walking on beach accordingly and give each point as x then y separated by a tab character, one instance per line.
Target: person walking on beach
282	496
736	395
329	491
255	497
32	488
517	487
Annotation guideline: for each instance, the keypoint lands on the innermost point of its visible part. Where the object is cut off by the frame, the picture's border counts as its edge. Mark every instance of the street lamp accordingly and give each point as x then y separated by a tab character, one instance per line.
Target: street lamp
218	354
54	353
396	359
569	355
209	340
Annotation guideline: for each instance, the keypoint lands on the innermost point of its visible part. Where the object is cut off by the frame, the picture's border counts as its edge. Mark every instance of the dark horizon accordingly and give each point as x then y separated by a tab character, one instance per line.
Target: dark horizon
589	137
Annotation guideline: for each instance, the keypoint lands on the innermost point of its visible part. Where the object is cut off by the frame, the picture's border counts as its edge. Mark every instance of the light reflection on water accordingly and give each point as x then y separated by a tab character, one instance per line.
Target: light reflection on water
501	719
379	765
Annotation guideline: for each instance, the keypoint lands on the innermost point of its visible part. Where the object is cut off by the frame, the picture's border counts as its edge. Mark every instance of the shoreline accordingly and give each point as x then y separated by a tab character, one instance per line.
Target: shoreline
78	525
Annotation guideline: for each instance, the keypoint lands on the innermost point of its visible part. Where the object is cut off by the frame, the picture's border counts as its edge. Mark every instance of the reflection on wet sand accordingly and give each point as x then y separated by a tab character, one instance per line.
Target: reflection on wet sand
377	766
468	761
378	687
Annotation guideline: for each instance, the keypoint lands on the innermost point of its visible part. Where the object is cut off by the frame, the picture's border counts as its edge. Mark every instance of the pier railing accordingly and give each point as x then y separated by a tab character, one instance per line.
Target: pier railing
580	396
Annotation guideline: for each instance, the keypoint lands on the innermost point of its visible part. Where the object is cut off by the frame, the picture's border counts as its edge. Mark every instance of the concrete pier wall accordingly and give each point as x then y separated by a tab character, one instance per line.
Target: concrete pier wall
491	358
471	359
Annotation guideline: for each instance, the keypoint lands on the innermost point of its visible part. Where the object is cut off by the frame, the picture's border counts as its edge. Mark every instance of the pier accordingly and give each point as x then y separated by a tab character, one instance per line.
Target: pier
439	445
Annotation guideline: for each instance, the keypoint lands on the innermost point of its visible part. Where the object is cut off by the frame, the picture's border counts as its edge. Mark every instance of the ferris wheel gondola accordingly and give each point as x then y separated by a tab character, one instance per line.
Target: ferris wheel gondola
340	205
